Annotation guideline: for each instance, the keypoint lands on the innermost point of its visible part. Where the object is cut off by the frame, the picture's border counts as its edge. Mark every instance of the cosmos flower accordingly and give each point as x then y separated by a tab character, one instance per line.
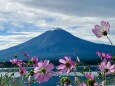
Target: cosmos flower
43	71
13	61
17	62
102	30
89	75
90	81
66	65
20	63
22	71
34	61
25	54
65	84
82	84
96	84
104	55
107	67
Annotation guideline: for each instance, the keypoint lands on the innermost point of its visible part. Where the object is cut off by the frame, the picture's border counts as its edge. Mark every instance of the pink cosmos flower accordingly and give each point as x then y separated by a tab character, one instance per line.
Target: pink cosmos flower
66	65
91	78
65	84
43	71
35	61
102	30
13	61
17	62
107	67
22	71
89	75
25	54
104	55
82	84
20	63
96	84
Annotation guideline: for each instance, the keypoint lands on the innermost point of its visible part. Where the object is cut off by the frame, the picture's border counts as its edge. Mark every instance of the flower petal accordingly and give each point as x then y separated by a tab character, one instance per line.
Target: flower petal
112	67
64	70
104	25
50	67
97	33
61	66
68	71
66	58
46	78
46	62
62	61
108	64
98	28
98	53
108	26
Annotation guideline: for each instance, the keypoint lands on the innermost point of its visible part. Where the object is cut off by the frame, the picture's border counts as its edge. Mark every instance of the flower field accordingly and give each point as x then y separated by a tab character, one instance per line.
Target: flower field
66	73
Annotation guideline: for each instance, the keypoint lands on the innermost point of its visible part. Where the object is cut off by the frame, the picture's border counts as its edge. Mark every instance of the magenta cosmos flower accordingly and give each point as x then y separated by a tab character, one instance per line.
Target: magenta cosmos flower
104	55
66	65
17	62
102	30
25	54
91	80
107	67
89	75
34	61
43	71
82	84
22	71
20	63
13	61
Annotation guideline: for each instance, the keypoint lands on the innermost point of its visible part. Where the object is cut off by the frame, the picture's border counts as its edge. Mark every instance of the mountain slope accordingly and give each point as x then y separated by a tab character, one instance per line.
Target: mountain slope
54	45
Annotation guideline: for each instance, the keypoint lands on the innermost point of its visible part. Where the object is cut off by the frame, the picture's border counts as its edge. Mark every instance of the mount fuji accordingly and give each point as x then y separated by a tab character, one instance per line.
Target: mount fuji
55	44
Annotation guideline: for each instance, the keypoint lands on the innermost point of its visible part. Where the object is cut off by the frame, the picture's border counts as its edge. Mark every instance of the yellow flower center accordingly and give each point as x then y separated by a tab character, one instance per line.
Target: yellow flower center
43	70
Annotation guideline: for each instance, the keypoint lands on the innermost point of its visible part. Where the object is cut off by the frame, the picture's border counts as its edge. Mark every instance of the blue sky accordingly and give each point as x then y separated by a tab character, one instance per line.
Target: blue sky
21	20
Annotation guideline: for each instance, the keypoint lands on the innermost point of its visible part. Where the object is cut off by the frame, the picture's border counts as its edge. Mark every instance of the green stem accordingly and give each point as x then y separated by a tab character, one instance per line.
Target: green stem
113	78
109	40
78	78
111	44
22	80
104	78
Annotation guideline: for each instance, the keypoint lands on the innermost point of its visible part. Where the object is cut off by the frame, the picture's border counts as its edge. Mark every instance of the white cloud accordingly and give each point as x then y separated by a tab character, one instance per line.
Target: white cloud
13	40
103	8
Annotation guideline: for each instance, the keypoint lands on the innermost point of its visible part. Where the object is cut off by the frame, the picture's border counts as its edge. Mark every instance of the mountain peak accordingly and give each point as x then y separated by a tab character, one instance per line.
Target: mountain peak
60	35
57	29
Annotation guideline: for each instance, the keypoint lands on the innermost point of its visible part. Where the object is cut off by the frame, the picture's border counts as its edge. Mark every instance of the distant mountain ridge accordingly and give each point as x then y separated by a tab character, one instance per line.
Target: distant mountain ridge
55	44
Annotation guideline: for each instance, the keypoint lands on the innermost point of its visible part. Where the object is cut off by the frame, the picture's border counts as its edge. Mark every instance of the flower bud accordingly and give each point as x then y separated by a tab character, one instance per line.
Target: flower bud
91	82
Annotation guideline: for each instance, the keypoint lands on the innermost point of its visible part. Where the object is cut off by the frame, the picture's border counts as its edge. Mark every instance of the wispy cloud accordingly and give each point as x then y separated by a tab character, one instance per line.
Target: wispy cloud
85	8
